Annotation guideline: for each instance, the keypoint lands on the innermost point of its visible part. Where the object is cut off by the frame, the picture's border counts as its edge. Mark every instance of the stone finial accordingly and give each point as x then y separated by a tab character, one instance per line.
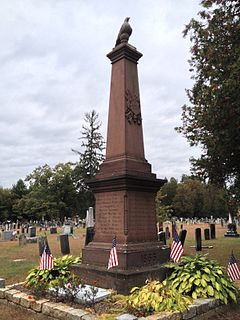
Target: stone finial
124	32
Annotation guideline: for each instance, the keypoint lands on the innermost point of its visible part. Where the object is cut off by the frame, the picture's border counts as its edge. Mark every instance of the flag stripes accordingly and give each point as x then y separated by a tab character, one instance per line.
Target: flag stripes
232	269
113	258
46	261
176	248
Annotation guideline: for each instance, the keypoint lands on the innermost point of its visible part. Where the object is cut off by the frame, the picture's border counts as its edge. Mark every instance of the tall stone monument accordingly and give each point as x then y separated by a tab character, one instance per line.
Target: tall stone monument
125	187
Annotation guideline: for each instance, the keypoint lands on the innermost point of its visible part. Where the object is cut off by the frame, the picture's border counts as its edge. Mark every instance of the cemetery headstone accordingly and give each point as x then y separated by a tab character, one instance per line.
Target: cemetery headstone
206	234
7	235
2	283
64	244
213	231
232	231
89	226
167	233
53	230
41	244
182	236
32	232
66	229
198	239
162	237
22	240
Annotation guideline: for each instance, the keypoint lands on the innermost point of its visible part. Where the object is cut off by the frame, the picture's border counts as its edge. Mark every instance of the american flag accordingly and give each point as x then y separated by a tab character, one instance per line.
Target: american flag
46	261
176	248
113	258
232	269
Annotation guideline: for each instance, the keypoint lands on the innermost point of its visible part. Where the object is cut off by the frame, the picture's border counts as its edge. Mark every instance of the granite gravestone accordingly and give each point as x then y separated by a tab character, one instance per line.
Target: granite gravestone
32	232
124	188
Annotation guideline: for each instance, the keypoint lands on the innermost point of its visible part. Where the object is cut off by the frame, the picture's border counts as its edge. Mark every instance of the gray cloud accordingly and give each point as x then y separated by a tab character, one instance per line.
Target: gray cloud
54	69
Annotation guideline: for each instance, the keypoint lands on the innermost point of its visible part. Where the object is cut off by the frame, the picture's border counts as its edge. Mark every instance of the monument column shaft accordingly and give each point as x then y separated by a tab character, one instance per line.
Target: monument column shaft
124	137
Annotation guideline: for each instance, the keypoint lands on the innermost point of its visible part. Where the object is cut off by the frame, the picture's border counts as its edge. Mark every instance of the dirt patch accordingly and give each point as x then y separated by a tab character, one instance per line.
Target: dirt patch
10	311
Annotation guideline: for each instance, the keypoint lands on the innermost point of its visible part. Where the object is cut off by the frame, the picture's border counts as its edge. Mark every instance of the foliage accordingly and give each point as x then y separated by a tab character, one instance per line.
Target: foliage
164	200
5	204
156	297
212	120
41	280
90	158
201	277
93	144
191	198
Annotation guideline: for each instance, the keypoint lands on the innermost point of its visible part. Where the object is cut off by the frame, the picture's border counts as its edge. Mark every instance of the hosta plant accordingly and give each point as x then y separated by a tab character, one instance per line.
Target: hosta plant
41	280
201	277
157	296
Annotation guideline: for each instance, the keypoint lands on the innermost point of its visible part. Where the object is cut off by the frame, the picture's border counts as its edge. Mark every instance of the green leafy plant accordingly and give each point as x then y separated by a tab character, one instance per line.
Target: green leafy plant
41	280
155	297
201	277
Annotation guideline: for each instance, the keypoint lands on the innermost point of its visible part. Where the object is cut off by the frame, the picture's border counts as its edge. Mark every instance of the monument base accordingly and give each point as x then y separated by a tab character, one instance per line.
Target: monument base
231	234
232	231
120	280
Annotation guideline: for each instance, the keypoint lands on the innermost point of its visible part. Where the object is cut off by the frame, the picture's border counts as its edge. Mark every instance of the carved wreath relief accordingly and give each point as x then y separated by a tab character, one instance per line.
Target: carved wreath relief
132	113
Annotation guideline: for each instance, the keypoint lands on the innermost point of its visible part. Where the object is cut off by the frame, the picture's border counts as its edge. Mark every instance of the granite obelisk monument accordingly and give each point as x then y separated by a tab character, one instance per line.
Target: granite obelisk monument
125	187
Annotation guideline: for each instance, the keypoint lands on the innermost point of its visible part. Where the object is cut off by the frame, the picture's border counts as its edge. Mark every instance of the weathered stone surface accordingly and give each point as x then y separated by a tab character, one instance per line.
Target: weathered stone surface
25	301
89	317
10	293
203	305
76	314
47	308
61	311
126	316
191	313
161	316
36	305
2	292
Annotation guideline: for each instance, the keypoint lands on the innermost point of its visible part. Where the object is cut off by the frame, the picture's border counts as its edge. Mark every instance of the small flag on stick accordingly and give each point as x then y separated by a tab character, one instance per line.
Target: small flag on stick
46	261
176	248
232	269
113	258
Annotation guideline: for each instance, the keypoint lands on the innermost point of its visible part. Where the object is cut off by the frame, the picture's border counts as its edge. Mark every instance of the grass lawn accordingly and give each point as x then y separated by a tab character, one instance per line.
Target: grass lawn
28	256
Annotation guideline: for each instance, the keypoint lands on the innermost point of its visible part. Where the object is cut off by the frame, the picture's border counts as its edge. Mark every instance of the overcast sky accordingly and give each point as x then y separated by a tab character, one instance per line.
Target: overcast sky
53	69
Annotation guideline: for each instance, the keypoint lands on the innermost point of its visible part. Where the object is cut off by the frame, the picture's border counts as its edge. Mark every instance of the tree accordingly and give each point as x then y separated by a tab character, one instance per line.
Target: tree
90	159
93	143
52	193
212	120
18	191
190	198
5	204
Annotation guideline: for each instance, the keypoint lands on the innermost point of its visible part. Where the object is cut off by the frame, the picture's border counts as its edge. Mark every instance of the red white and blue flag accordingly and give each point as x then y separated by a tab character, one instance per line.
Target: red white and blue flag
176	248
46	261
232	269
113	258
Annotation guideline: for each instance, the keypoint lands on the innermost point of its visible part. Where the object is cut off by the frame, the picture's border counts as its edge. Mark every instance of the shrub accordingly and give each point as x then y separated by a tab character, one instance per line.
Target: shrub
156	297
201	277
41	280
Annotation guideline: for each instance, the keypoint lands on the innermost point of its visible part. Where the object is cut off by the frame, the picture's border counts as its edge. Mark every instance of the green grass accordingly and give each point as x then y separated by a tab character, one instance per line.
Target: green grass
17	271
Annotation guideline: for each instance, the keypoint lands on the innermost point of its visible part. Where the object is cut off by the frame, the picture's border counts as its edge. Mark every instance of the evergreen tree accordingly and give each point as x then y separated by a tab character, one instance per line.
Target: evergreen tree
90	159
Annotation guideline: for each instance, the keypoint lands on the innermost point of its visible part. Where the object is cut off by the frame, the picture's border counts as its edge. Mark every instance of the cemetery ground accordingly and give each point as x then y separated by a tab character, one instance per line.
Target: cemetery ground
16	261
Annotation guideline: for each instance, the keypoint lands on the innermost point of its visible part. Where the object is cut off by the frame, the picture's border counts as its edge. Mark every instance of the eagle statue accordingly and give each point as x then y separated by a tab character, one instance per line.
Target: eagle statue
124	32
